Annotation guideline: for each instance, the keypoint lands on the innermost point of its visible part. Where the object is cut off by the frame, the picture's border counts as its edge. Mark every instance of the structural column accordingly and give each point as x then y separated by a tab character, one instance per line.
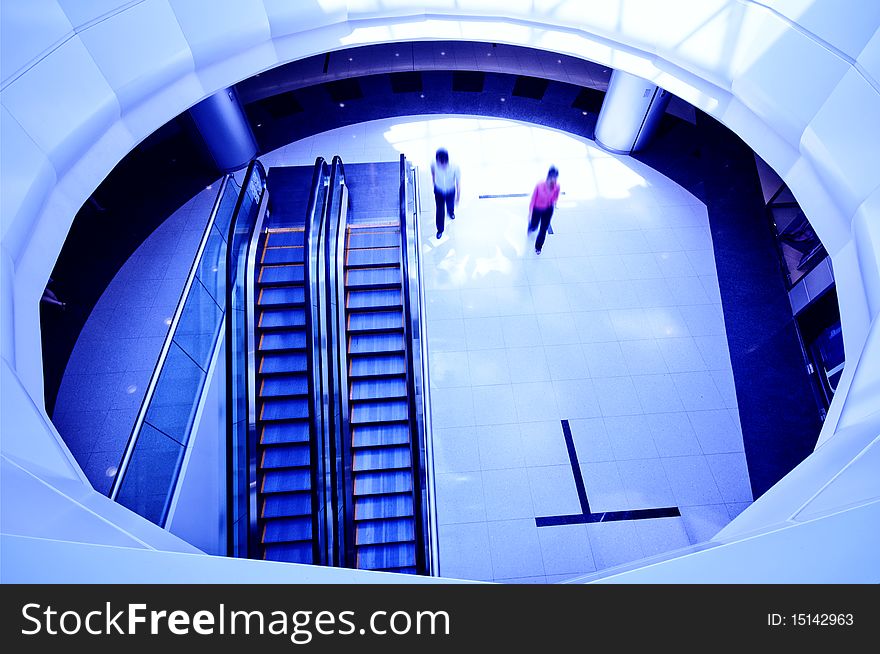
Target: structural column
630	113
225	129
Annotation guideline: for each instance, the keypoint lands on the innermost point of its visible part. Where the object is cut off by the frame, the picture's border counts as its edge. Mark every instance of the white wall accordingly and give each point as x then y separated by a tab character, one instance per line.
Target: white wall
83	83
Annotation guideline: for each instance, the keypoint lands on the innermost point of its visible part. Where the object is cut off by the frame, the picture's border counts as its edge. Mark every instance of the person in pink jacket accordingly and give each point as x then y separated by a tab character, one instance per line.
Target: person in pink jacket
541	207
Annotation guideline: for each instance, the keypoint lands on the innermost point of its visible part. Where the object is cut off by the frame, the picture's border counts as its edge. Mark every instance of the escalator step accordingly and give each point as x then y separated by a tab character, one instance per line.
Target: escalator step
287	504
287	480
289	552
360	239
375	321
273	319
375	299
373	343
392	433
276	433
378	389
284	385
385	557
378	366
382	483
275	256
372	257
379	411
280	363
372	277
285	530
292	274
376	532
271	296
288	340
278	238
285	409
382	458
383	506
295	455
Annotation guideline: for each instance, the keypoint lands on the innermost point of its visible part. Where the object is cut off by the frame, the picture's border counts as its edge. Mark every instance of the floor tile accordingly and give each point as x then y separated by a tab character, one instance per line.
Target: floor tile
554	491
716	431
527	364
661	535
614	543
645	484
515	549
507	494
460	497
566	549
456	449
480	334
543	444
604	486
488	367
493	405
691	480
617	396
576	399
535	401
500	446
732	476
464	551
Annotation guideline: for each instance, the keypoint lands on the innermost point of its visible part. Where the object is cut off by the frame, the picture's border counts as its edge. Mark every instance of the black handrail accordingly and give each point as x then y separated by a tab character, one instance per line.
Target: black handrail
334	261
241	470
416	435
314	360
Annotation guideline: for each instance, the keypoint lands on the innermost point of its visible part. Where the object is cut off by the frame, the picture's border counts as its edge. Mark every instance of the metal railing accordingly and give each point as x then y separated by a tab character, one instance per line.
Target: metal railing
147	475
417	371
244	232
334	261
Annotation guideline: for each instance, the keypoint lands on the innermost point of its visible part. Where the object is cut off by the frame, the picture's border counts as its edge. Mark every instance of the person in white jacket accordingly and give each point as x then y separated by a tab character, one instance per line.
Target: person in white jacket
447	187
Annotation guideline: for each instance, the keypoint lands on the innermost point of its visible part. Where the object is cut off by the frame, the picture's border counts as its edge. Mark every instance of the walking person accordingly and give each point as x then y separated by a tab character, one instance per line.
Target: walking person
447	187
541	207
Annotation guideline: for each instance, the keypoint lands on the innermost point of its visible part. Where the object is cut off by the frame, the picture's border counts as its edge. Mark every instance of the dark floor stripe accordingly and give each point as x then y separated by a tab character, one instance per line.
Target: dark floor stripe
608	516
575	467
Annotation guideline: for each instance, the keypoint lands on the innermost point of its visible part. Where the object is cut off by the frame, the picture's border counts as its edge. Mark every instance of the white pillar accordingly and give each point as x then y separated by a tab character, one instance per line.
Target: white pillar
224	127
630	113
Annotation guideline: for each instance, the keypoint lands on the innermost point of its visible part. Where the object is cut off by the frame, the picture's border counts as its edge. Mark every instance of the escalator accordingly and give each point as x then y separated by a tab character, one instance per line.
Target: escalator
385	517
384	510
327	428
284	408
285	339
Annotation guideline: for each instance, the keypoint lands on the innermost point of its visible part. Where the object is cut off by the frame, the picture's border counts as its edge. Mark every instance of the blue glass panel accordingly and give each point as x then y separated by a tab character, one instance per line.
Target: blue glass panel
175	398
199	324
151	474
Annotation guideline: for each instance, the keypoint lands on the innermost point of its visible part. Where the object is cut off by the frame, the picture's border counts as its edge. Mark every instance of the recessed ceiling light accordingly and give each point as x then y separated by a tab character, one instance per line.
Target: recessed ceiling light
443	53
342	104
503	100
259	124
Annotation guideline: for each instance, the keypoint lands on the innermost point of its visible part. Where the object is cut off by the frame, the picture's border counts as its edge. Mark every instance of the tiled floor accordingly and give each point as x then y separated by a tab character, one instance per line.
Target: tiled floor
616	327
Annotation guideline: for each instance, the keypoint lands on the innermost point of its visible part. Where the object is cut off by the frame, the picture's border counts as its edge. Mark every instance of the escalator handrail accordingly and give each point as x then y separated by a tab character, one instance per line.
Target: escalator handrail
166	345
413	377
334	250
251	229
429	506
316	374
